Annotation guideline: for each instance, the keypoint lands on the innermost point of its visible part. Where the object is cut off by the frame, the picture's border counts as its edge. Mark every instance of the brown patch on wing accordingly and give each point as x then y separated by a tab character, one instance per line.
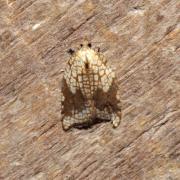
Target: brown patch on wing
110	98
71	101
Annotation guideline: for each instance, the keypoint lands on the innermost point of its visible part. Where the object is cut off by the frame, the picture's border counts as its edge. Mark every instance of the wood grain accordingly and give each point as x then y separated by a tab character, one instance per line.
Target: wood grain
140	38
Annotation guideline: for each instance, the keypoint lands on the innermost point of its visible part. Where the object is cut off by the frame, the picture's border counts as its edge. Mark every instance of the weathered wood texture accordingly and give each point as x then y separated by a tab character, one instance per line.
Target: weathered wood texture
141	39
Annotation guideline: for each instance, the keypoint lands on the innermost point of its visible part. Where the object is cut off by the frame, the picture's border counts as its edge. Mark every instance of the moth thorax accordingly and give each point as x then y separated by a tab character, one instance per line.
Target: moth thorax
86	64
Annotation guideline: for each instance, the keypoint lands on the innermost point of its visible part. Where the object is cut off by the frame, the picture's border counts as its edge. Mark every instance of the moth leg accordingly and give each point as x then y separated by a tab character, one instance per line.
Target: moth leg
116	119
77	118
108	114
67	122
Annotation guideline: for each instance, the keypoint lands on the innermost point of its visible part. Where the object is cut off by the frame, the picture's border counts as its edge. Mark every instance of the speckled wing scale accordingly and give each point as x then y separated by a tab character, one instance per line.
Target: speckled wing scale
89	88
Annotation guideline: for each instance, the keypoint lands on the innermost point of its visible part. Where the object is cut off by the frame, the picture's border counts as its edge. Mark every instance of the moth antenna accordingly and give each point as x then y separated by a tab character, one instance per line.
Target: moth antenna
85	42
71	51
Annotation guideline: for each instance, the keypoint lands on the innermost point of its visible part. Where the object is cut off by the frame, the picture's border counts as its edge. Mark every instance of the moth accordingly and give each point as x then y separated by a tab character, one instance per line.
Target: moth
89	89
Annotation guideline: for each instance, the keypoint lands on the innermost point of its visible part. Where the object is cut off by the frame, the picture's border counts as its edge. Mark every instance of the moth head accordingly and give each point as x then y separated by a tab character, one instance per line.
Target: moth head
85	44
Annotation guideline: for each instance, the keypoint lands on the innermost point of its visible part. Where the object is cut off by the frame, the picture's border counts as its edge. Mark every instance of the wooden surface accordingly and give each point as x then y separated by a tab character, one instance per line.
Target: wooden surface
141	39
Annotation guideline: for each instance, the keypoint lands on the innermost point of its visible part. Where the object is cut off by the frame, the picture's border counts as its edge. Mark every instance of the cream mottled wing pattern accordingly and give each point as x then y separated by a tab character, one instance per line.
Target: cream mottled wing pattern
89	89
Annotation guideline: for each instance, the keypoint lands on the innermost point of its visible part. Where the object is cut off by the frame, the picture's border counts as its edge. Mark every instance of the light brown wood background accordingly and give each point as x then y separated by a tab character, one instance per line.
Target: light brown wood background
141	39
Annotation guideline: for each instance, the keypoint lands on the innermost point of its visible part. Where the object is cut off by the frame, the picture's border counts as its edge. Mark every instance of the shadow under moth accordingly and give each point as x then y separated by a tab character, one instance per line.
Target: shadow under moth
90	90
